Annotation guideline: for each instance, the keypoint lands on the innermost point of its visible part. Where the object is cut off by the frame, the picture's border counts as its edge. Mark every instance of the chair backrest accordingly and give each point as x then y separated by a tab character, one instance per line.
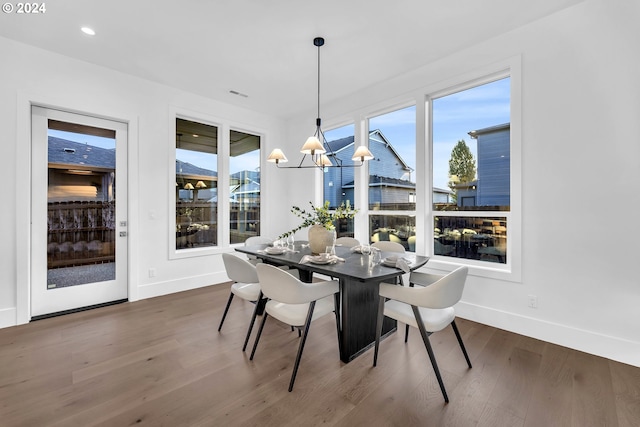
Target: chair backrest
347	242
281	286
445	292
239	270
388	246
411	241
257	240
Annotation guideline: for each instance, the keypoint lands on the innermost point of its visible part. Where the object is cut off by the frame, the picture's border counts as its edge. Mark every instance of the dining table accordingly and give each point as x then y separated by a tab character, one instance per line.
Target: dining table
359	280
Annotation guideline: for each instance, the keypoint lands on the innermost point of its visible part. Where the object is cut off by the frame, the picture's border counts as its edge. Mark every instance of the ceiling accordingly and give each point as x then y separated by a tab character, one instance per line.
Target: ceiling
264	48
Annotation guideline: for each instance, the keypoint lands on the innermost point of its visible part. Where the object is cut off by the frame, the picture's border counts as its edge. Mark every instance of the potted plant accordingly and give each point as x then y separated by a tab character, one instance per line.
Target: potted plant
321	223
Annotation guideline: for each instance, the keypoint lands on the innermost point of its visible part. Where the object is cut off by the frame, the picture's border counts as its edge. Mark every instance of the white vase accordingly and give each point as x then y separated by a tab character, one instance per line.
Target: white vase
320	238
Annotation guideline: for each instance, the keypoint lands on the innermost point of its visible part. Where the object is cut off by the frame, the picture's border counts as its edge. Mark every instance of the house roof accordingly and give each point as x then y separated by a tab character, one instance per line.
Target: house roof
65	152
185	168
377	181
474	133
339	145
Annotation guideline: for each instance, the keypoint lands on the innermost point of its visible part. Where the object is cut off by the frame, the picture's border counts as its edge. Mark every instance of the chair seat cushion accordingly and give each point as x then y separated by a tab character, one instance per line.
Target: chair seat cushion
248	291
434	319
296	314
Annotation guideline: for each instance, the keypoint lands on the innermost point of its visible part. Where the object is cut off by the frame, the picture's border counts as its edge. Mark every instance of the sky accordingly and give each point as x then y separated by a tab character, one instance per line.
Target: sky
454	116
96	141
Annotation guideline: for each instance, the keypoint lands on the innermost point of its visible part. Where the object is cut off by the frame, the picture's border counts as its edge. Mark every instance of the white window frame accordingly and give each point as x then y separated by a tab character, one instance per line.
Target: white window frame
223	168
364	228
511	270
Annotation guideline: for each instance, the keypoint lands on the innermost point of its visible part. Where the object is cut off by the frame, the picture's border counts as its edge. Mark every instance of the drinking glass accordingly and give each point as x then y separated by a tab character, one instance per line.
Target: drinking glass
331	250
366	250
290	241
376	256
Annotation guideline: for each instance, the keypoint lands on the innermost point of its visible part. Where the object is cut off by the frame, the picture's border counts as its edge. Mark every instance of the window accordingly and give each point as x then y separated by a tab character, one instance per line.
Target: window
392	180
471	158
338	183
196	184
244	179
204	198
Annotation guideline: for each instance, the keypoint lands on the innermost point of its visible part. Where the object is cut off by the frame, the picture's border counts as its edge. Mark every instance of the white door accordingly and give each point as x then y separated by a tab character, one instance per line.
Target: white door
79	214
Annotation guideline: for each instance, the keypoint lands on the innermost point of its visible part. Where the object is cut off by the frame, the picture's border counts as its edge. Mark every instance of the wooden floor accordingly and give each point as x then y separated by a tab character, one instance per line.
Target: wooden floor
161	362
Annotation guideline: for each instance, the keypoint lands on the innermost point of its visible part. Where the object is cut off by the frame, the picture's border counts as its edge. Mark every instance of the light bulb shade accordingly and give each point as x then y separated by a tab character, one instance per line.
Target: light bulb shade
188	186
362	154
324	161
277	156
201	184
312	146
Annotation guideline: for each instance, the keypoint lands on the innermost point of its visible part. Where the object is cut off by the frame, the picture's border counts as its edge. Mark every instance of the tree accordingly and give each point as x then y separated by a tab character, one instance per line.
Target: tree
462	166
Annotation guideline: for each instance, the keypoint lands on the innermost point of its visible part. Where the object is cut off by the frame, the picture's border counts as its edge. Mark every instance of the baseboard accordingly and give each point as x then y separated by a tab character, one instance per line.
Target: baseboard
179	285
8	317
609	347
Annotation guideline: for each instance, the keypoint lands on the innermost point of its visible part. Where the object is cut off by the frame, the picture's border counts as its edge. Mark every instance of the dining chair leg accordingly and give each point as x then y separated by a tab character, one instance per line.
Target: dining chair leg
253	320
336	304
226	309
464	350
255	344
406	327
378	328
312	305
432	357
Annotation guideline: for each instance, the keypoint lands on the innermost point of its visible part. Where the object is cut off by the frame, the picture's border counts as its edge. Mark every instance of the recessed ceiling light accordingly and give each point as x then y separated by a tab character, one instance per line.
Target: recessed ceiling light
88	31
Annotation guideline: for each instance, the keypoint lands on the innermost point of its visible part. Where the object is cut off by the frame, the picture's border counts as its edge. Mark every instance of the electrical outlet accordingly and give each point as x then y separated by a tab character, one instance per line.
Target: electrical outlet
152	272
533	301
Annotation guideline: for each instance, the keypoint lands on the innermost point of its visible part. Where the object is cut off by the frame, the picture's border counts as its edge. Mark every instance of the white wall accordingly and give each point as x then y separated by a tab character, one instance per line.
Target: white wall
33	75
580	175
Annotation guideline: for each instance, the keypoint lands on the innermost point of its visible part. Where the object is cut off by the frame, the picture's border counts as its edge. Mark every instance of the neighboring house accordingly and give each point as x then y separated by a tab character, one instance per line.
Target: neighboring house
440	195
390	180
493	184
78	171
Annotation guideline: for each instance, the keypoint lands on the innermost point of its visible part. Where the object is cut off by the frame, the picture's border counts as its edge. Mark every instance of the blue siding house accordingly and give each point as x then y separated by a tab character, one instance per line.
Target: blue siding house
390	180
493	184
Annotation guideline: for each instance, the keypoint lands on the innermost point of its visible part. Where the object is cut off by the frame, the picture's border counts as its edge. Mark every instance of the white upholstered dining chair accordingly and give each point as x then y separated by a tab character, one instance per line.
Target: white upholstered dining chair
388	246
246	286
347	242
430	309
256	240
295	303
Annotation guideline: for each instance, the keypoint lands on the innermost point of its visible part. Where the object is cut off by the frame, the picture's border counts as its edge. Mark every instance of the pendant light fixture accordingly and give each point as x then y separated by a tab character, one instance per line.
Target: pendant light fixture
316	146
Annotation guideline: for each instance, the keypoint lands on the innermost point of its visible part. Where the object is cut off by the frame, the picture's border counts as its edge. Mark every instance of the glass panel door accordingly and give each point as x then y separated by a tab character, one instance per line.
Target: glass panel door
76	166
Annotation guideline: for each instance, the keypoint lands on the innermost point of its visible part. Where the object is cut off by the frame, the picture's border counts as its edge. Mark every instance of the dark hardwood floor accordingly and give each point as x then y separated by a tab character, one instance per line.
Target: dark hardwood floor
161	362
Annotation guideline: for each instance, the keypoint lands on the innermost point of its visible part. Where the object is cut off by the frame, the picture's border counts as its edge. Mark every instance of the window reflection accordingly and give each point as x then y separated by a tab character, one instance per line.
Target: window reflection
394	228
244	203
479	238
196	184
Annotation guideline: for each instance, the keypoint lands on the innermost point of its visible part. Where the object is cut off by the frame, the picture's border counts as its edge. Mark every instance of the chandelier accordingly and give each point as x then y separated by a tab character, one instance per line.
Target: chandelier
317	147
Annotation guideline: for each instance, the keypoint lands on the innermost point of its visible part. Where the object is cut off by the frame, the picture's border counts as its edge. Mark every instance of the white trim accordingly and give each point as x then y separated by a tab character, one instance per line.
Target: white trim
167	287
607	346
8	317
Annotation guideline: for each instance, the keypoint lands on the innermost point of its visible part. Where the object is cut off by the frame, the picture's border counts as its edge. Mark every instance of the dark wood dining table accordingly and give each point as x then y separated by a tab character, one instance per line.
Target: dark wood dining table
359	287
